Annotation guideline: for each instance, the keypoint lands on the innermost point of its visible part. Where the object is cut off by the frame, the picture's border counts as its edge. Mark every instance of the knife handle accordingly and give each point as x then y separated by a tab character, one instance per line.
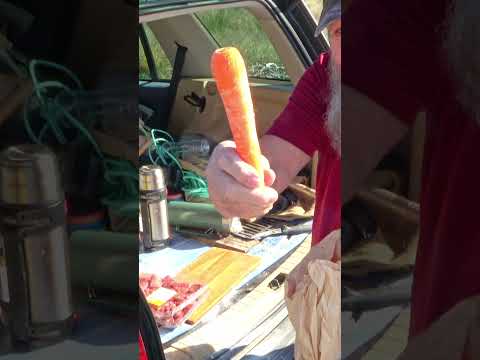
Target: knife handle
297	229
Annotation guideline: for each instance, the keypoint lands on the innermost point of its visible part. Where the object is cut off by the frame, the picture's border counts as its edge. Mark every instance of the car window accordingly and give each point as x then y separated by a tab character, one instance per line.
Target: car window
315	8
239	28
159	66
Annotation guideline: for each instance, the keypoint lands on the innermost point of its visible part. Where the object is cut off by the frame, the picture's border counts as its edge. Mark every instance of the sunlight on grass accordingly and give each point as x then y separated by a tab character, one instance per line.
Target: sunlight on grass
230	27
239	28
164	68
315	7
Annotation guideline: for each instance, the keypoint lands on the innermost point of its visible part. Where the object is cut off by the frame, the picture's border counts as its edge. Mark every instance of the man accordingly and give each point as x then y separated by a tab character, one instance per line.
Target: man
309	123
403	58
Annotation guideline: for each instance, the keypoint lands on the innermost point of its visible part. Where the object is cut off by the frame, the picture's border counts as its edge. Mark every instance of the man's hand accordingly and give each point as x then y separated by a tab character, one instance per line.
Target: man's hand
234	187
327	249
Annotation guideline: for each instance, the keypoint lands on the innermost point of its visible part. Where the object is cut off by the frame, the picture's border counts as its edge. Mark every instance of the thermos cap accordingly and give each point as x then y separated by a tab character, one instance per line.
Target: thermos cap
151	178
29	175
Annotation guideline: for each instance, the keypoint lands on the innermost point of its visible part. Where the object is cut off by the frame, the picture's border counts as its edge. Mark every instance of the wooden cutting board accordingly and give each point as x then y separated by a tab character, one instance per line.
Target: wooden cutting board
230	242
220	270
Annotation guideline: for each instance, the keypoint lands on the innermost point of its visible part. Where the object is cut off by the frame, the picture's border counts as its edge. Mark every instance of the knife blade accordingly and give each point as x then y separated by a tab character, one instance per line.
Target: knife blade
302	228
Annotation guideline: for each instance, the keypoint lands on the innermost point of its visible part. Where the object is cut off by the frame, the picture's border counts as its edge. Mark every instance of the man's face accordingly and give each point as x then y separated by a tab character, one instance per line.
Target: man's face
462	43
334	114
335	38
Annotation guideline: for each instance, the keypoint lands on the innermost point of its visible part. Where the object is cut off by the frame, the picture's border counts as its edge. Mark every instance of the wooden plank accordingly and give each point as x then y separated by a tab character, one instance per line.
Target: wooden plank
221	270
230	242
222	332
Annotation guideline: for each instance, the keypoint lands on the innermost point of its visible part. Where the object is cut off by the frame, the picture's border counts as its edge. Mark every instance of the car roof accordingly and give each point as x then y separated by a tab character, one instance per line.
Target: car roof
152	6
143	4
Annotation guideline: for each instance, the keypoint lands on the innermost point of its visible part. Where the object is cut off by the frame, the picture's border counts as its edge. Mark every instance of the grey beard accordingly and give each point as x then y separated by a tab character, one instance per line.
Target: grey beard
334	112
462	43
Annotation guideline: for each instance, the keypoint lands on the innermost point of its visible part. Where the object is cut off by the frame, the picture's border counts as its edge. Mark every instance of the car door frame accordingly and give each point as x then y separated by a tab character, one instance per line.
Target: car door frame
293	17
300	21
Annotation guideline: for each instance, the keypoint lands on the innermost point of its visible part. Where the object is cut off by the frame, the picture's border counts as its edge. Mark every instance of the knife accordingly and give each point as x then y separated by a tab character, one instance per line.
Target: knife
302	228
250	285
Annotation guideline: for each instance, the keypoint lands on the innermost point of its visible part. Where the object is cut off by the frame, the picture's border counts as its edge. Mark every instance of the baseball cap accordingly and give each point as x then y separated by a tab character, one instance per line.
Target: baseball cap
332	10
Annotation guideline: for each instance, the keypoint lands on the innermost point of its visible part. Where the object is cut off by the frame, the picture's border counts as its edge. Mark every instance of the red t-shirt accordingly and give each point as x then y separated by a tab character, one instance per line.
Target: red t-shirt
302	124
391	51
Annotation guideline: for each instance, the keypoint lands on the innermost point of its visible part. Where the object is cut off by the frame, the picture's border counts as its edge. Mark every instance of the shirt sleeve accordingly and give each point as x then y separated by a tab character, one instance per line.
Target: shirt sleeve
301	122
387	53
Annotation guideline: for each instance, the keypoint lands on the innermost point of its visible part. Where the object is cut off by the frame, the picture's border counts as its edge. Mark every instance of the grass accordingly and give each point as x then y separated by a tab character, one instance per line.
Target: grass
315	7
230	27
239	28
164	68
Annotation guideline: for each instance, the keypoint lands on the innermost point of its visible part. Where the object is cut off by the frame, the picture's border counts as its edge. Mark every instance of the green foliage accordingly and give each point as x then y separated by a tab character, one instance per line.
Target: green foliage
315	7
239	28
164	68
230	27
143	72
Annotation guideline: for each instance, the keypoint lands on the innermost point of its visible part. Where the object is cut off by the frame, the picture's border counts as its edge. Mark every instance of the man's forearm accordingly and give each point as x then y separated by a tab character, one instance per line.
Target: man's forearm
368	133
285	159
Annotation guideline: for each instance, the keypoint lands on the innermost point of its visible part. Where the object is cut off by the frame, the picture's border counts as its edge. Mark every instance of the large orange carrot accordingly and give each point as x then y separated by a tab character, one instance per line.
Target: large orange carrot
230	74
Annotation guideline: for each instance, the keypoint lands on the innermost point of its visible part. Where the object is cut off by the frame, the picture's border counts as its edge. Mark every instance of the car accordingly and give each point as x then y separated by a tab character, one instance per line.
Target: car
177	38
176	41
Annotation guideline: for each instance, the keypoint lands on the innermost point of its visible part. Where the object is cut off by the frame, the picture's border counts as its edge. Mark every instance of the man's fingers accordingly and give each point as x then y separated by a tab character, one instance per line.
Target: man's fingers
234	199
269	174
261	198
226	213
244	173
243	212
270	177
265	163
235	187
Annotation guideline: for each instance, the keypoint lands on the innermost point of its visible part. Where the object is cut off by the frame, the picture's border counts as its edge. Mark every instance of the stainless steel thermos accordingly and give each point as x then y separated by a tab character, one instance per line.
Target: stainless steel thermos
35	290
153	208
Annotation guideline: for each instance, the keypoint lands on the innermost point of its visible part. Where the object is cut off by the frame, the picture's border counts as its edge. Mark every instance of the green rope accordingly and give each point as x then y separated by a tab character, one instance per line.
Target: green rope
55	115
160	147
121	186
194	185
163	152
120	176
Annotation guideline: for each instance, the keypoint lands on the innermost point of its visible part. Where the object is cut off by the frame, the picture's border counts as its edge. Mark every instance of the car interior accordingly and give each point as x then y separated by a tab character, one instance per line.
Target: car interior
78	40
185	101
188	102
177	94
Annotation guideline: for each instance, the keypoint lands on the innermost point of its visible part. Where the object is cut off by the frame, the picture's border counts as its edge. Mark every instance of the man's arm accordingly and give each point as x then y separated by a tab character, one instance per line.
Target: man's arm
286	160
233	185
235	189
